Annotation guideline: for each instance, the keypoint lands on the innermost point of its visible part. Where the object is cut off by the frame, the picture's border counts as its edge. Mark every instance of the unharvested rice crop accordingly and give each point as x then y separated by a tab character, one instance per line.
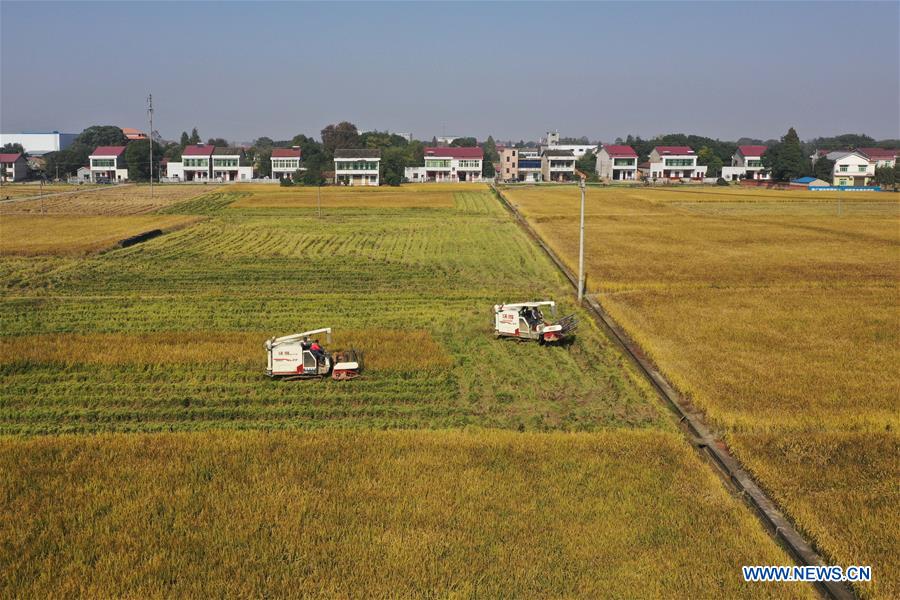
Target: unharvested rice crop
843	488
407	196
31	235
774	312
104	200
361	515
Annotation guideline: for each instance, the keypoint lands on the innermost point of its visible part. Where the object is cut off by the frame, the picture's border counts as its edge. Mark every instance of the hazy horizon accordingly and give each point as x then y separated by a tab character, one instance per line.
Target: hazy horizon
601	70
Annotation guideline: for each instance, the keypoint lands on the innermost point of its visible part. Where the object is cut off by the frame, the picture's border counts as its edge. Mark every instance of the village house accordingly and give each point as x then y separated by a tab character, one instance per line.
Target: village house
617	163
107	163
851	168
357	166
448	165
14	167
557	165
675	162
205	162
285	162
746	163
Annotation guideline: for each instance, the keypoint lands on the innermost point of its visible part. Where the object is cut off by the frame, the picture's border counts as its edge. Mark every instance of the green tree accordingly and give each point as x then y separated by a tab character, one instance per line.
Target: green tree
137	157
313	175
101	135
195	137
587	164
264	161
172	152
464	142
221	142
884	176
12	149
823	169
487	168
393	165
341	136
896	174
708	158
185	140
785	160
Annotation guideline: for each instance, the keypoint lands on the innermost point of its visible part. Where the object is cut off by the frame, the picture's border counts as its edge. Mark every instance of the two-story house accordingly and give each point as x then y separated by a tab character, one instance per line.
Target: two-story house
107	163
230	164
617	163
880	157
13	166
285	162
557	165
746	163
675	162
851	168
357	166
205	162
453	164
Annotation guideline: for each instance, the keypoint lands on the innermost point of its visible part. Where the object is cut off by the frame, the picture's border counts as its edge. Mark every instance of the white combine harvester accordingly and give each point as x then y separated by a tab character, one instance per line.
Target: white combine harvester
294	357
525	321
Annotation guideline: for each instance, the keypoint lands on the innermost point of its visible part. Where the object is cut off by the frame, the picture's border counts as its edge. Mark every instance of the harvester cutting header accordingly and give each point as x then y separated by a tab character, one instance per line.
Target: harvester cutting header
299	356
525	321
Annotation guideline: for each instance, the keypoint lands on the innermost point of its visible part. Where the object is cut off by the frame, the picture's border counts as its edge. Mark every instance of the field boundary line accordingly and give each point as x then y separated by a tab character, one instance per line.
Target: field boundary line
694	426
75	191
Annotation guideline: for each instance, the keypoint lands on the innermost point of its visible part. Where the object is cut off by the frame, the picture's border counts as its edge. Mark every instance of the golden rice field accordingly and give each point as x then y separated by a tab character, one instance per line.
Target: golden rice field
775	313
374	514
31	235
22	190
107	200
534	471
421	195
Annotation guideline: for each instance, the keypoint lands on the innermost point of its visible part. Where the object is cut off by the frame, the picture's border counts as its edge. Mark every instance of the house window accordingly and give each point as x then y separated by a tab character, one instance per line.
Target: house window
862	168
679	162
843	168
104	162
624	162
437	164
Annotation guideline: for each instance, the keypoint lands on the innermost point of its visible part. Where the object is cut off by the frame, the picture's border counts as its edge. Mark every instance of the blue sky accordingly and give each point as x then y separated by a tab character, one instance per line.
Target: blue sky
241	70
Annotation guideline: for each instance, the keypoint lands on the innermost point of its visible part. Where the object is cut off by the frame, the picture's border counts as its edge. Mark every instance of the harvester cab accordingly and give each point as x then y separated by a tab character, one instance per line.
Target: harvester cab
525	321
299	356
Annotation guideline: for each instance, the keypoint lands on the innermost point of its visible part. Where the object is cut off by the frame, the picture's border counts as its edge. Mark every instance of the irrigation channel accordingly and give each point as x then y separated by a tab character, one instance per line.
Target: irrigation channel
695	428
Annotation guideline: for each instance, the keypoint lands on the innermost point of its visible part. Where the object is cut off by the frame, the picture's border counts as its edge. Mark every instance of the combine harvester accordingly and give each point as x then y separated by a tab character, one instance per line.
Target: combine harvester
299	356
525	321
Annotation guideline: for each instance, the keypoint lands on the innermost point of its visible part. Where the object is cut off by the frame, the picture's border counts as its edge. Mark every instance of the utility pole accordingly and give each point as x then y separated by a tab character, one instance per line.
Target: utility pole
150	136
581	247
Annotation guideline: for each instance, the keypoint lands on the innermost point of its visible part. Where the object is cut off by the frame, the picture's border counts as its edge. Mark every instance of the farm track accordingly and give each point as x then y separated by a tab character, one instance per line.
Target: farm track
697	431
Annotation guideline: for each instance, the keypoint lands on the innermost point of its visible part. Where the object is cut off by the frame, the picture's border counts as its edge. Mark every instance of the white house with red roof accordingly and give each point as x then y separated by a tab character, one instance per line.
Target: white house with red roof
449	165
746	163
285	162
675	162
13	167
107	163
881	157
617	163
